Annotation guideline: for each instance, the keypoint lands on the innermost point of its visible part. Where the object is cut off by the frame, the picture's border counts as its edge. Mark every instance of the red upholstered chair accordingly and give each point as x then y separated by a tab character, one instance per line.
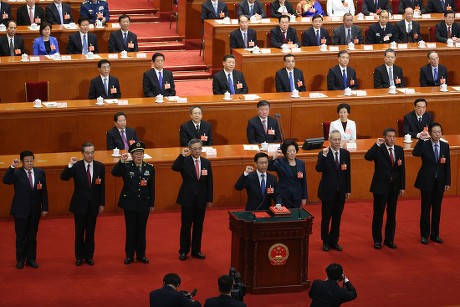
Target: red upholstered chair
235	10
365	35
359	6
395	6
267	9
400	125
268	43
34	90
431	34
325	126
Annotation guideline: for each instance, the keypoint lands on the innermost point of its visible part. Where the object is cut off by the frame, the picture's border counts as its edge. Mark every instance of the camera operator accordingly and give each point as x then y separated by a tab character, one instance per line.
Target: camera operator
225	299
328	292
169	296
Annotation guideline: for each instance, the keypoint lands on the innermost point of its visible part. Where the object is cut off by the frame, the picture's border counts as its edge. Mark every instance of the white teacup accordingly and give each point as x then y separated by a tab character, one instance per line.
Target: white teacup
100	100
347	91
72	25
360	16
256	49
124	54
295	93
292	18
37	103
444	87
392	89
421	44
227	95
34	26
116	152
227	20
323	47
407	138
159	98
416	14
264	146
2	27
393	44
351	45
56	56
98	24
450	42
24	57
90	55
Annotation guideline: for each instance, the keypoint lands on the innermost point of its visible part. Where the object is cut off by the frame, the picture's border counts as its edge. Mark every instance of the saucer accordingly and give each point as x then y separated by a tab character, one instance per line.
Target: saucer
25	60
450	46
116	156
444	90
99	104
408	142
392	93
124	57
292	96
158	101
38	107
227	99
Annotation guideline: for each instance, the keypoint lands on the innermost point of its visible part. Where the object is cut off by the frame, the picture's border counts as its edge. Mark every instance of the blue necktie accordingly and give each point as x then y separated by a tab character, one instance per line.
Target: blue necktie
230	84
215	9
106	88
318	38
85	44
435	75
160	80
436	152
263	186
251	12
291	81
345	83
125	39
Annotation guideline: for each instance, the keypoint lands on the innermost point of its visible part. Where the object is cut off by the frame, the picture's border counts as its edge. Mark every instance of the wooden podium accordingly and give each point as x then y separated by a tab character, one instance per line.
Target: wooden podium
271	253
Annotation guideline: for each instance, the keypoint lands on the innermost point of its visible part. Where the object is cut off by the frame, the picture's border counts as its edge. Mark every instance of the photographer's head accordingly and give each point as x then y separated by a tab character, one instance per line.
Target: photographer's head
334	271
172	280
225	283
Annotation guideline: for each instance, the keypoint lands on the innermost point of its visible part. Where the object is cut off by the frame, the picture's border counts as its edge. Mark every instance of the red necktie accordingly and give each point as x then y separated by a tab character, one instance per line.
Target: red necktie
88	173
31	182
31	15
197	169
392	158
449	33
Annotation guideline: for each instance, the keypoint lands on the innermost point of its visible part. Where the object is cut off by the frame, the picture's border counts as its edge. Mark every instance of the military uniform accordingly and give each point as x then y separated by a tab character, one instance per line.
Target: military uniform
95	10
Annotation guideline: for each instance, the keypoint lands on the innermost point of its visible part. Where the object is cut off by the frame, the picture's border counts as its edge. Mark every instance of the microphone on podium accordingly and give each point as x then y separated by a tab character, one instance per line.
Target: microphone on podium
278	117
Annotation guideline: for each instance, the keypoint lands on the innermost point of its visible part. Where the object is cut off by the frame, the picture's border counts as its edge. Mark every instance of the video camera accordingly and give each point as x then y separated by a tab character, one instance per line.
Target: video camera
239	288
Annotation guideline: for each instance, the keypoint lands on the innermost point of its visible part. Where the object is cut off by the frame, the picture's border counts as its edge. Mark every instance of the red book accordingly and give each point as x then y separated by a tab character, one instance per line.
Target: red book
282	211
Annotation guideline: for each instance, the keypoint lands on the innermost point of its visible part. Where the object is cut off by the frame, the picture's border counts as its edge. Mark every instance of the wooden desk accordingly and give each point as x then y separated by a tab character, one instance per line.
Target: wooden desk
259	69
228	165
74	5
217	42
60	130
69	79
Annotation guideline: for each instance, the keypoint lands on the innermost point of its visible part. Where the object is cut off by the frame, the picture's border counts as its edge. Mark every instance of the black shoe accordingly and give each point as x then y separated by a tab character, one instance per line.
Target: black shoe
424	241
377	245
128	260
32	264
182	257
143	260
325	247
20	265
78	262
437	240
199	255
337	247
90	261
390	245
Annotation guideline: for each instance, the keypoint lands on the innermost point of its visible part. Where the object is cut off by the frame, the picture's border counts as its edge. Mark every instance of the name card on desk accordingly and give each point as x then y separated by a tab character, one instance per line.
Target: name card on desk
210	151
402	46
351	145
113	56
141	55
407	90
61	105
91	26
368	47
397	16
34	58
334	48
115	25
317	95
426	16
66	57
265	50
457	44
306	19
294	50
336	18
265	20
359	93
122	102
431	45
368	17
234	21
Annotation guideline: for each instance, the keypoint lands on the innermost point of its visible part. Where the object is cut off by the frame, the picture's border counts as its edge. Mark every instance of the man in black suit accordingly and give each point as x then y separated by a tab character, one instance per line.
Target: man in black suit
105	85
382	32
11	44
433	73
447	29
229	79
433	179
30	13
281	7
347	33
328	292
289	78
283	34
195	195
375	7
388	74
408	29
342	76
88	200
388	183
120	136
30	200
440	6
5	12
59	13
169	296
225	299
213	9
83	41
335	186
157	80
251	8
137	199
261	187
123	40
415	122
316	35
196	128
263	128
243	37
416	5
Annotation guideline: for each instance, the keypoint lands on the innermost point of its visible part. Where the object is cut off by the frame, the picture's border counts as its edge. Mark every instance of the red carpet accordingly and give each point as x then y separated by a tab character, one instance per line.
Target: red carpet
130	4
412	275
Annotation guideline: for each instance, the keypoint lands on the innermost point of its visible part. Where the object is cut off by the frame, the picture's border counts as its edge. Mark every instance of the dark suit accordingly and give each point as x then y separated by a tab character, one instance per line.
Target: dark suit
26	209
207	10
5	8
136	199
386	184
117	43
223	301
432	177
403	4
194	194
275	6
96	88
369	6
277	38
18	41
292	183
258	8
376	34
426	75
441	31
411	37
74	46
328	293
220	83
309	37
412	126
114	140
335	79
256	133
282	81
335	183
151	84
52	14
85	203
23	18
169	297
256	199
236	39
381	79
437	6
188	131
339	35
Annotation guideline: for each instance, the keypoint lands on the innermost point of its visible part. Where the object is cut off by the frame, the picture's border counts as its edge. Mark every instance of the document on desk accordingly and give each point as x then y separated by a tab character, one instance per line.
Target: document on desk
317	95
111	101
251	96
250	147
457	88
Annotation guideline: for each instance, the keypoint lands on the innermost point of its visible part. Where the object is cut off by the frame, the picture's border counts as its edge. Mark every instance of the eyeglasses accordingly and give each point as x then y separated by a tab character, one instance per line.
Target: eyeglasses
195	148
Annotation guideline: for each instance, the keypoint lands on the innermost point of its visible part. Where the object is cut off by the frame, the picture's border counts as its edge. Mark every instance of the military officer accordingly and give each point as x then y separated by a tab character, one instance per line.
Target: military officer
95	10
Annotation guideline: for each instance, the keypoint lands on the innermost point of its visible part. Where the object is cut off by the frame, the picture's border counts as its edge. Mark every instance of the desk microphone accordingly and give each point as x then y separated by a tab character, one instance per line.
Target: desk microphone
293	206
278	117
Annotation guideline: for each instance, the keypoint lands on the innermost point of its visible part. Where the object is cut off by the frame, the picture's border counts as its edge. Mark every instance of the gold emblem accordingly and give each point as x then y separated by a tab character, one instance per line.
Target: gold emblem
278	254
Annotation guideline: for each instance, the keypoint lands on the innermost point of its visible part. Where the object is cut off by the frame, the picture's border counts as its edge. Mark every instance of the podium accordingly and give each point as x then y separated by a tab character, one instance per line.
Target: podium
271	252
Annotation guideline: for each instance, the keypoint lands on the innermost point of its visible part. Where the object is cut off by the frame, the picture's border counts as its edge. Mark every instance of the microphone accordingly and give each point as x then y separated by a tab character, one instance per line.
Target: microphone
193	293
278	117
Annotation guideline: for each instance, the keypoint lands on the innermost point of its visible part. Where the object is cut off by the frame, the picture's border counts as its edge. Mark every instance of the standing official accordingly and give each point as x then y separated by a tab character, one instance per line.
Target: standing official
433	179
88	200
137	199
387	185
334	188
30	200
195	195
196	128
